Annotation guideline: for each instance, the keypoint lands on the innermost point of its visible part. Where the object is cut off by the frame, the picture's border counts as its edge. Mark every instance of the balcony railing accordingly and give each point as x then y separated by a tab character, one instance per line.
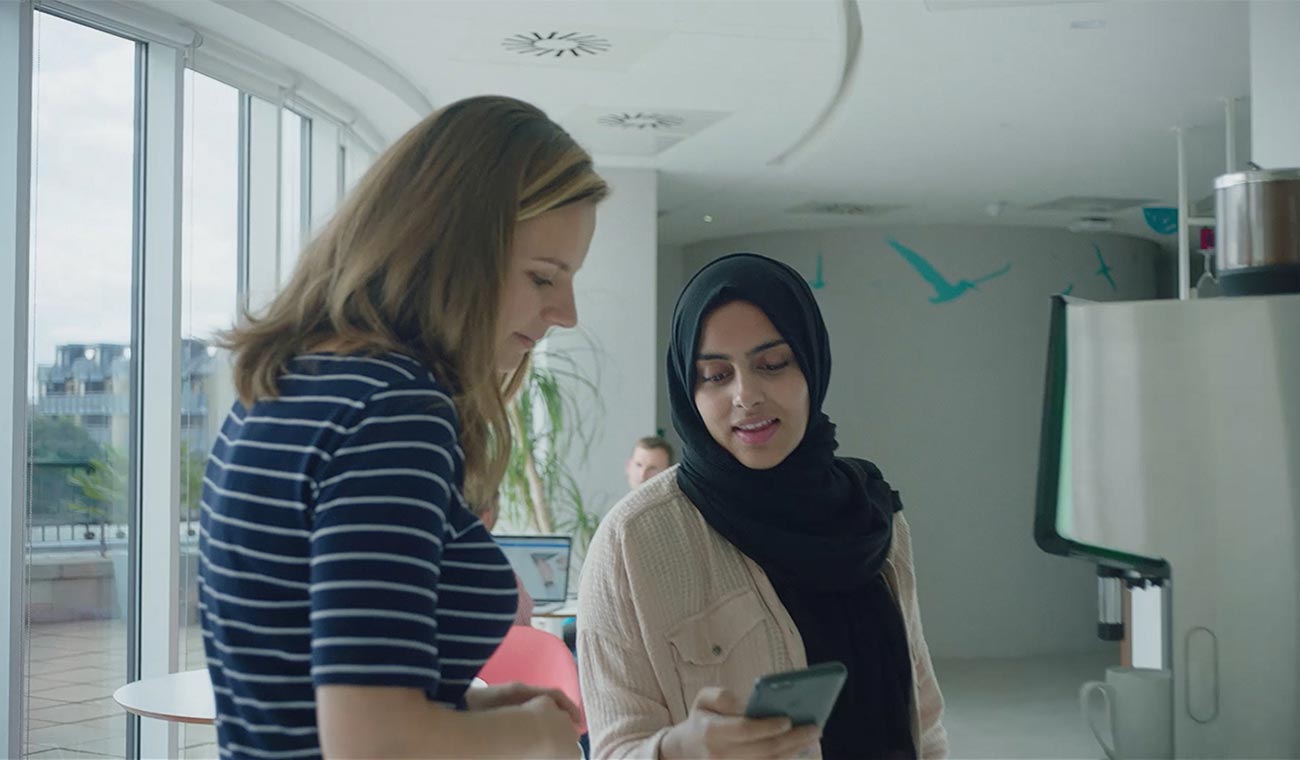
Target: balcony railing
110	404
55	526
72	404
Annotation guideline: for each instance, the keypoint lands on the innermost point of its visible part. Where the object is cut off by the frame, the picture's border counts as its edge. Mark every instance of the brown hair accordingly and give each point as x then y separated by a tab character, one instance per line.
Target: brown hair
415	261
652	442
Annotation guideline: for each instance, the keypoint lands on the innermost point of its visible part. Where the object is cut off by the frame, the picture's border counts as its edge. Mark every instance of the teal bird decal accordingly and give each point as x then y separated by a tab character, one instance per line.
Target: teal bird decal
943	289
1104	271
818	282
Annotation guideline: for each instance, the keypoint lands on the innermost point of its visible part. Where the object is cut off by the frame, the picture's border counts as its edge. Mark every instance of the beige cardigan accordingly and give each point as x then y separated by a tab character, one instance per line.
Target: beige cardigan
667	607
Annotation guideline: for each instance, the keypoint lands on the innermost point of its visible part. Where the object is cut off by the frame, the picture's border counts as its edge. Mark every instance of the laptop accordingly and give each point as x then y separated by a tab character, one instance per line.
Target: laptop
542	564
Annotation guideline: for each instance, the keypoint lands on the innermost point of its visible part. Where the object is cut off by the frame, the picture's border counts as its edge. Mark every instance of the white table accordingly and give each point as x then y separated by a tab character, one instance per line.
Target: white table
184	697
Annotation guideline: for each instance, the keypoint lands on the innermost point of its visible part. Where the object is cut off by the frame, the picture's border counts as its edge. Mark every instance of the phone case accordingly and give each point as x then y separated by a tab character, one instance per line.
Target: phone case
805	696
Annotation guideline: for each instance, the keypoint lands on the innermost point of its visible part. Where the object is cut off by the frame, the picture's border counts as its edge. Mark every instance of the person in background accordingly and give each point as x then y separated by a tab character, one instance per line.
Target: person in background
348	595
650	456
761	552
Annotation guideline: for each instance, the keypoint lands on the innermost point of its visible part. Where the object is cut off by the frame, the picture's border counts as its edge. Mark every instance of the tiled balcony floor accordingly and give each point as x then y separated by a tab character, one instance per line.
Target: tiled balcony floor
72	671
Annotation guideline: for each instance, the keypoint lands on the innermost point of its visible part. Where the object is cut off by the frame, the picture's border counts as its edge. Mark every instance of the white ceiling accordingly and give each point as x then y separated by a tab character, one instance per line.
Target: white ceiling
942	107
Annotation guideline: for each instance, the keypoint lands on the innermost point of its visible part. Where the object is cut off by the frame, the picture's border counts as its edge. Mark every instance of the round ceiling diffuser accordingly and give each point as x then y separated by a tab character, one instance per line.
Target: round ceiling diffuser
641	120
555	44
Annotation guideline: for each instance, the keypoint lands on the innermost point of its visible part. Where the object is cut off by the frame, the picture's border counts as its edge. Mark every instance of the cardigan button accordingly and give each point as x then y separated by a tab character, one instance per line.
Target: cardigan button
717	650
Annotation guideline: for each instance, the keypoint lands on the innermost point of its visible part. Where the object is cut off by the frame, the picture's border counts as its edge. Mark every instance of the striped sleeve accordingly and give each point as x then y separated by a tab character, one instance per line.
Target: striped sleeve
377	541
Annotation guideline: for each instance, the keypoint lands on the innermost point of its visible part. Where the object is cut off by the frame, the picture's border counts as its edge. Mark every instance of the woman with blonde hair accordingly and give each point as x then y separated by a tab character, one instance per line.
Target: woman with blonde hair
348	595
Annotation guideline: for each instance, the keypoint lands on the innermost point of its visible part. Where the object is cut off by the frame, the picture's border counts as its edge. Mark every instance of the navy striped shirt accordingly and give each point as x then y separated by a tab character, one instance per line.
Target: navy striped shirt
336	548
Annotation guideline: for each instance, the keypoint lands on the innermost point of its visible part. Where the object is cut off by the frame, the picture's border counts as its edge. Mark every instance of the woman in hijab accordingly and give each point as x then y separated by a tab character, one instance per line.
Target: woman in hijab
760	552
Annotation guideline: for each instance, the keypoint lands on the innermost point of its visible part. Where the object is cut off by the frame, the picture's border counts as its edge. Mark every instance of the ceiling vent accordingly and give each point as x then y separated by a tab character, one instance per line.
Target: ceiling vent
1088	206
616	130
1091	224
822	208
556	44
641	120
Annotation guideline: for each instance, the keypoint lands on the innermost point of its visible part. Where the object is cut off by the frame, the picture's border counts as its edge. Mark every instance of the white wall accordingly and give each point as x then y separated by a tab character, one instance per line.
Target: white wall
671	278
1275	83
616	311
947	399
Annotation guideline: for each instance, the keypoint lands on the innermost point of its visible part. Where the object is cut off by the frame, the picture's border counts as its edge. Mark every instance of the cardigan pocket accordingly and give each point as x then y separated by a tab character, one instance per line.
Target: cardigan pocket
721	646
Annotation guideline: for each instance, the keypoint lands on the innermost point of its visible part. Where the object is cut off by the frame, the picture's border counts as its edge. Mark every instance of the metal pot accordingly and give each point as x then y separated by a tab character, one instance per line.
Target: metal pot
1258	235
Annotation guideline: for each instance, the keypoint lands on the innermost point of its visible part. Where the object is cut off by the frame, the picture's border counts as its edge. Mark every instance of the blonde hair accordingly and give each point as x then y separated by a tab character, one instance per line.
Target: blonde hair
415	261
652	442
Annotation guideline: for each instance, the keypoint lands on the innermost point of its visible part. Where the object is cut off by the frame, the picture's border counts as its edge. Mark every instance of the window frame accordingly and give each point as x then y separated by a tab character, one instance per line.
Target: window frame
16	51
337	145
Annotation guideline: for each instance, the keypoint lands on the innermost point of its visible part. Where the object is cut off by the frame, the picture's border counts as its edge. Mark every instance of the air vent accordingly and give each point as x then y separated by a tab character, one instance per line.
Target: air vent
1091	224
1089	206
641	120
842	209
556	45
615	129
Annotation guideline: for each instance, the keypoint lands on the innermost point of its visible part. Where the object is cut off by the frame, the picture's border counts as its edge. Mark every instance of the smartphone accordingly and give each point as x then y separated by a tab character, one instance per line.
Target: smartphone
804	696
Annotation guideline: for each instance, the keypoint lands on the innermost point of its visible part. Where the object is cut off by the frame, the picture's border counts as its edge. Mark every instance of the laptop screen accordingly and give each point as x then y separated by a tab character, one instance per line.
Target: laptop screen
542	564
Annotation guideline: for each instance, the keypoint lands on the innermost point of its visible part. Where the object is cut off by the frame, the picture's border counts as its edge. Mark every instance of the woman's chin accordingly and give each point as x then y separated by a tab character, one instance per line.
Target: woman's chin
757	459
508	362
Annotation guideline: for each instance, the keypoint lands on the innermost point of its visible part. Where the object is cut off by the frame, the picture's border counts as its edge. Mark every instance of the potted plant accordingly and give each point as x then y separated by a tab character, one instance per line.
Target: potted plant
193	466
103	484
104	488
552	418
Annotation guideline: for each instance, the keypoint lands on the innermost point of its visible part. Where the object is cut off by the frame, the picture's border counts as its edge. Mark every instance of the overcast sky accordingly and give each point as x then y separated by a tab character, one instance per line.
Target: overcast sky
83	143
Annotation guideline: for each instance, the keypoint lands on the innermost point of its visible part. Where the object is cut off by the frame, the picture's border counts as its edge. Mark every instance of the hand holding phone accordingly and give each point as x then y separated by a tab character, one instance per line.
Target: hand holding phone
715	728
805	696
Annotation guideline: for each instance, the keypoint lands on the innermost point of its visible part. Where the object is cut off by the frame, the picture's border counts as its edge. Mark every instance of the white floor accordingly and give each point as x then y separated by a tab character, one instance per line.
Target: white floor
1017	708
1020	708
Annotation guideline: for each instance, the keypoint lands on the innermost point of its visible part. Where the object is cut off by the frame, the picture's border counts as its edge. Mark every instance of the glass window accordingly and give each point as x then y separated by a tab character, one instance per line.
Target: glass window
295	142
82	260
356	160
209	282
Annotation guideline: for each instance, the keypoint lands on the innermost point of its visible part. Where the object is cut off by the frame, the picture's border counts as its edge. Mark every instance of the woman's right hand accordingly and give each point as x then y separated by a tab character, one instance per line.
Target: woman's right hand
717	728
552	727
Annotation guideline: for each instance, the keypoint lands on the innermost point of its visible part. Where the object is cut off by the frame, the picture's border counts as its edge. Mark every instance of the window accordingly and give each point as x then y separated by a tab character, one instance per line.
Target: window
209	282
295	146
107	195
82	260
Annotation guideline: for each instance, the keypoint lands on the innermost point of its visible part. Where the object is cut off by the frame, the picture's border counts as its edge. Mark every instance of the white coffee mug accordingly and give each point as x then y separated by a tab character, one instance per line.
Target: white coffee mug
1139	707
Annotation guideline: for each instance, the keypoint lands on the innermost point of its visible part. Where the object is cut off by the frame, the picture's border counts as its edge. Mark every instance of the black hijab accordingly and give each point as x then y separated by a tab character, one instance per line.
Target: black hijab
820	526
815	520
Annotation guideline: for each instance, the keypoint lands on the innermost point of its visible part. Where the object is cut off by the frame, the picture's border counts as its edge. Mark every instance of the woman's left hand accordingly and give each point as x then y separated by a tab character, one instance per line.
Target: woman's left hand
509	694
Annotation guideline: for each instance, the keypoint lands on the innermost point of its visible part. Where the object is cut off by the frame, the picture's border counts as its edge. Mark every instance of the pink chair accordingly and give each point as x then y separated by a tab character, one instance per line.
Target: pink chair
537	658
